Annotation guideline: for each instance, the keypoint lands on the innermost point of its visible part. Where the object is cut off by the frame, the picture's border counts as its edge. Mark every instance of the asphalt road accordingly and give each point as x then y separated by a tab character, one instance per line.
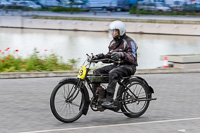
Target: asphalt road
24	107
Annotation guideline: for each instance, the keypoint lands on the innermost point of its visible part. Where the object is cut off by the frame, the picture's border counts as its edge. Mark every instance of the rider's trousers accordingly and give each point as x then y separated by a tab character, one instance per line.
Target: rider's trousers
115	73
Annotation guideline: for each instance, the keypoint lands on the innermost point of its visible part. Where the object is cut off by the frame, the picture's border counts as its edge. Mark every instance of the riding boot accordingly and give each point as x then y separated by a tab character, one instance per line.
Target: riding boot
108	101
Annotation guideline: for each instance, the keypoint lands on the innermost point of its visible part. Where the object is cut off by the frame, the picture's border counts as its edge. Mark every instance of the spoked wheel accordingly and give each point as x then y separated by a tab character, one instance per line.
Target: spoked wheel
135	99
67	101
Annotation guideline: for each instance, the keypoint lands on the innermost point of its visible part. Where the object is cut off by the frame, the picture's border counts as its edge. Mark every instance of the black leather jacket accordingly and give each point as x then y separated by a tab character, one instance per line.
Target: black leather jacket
126	45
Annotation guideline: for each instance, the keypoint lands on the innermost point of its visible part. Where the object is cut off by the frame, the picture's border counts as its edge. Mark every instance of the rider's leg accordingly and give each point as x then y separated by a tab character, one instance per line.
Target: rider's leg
113	78
101	71
115	75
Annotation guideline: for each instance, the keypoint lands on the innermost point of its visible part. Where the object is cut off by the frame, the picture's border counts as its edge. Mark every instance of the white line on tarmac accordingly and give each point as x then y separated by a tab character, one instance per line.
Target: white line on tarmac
114	125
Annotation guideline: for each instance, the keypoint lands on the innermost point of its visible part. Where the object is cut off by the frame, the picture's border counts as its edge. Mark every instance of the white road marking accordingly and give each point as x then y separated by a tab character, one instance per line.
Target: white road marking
182	130
114	125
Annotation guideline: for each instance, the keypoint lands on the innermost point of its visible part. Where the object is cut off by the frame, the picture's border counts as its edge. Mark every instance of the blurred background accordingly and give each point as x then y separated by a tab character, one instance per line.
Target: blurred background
24	26
142	6
55	35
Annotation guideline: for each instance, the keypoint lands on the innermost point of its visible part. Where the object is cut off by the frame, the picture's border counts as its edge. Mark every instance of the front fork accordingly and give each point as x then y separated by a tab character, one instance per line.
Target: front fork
80	83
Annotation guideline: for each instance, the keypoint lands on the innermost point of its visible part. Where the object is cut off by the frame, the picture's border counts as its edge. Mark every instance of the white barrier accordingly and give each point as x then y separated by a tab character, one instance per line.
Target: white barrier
150	28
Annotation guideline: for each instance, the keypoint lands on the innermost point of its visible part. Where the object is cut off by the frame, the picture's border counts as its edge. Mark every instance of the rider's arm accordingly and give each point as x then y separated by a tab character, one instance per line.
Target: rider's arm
130	54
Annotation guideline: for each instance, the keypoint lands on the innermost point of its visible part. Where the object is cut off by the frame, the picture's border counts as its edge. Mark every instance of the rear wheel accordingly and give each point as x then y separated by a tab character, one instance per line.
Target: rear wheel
134	99
67	101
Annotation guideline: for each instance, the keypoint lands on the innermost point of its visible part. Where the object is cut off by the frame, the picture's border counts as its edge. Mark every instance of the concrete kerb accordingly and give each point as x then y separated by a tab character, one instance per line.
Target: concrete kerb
44	74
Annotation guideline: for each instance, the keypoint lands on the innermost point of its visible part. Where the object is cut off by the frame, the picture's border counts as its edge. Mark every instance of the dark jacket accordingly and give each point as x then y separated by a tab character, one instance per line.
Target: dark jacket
126	45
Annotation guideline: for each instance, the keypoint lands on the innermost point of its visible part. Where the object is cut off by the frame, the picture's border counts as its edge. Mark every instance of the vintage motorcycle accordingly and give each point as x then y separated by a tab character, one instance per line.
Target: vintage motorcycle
70	98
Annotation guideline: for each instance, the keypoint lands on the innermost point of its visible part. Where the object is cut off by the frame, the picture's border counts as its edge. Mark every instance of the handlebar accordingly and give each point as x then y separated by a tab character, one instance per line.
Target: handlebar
104	60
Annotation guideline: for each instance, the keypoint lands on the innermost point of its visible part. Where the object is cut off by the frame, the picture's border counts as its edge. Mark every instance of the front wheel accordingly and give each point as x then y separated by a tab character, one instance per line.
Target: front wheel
135	98
67	101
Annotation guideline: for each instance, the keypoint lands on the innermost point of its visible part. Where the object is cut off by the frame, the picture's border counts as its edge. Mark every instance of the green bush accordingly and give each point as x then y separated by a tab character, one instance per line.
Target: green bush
65	9
14	63
15	7
133	10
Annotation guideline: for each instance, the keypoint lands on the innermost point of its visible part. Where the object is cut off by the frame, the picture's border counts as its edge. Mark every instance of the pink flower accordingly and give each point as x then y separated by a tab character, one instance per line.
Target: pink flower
2	52
45	50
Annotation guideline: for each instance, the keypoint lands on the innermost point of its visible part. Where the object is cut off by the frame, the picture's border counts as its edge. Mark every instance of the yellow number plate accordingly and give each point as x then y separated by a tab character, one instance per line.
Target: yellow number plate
82	73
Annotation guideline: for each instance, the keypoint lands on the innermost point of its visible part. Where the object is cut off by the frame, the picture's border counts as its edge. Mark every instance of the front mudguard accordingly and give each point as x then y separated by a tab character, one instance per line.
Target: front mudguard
84	91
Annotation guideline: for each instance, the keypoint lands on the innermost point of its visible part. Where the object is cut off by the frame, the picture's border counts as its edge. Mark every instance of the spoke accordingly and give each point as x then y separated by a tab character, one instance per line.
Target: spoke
71	108
139	91
135	87
62	107
75	104
60	101
70	92
143	95
71	97
131	92
66	112
74	96
64	93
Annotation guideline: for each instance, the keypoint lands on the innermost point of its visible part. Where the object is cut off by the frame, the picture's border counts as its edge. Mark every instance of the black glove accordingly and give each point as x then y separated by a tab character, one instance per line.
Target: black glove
117	55
98	56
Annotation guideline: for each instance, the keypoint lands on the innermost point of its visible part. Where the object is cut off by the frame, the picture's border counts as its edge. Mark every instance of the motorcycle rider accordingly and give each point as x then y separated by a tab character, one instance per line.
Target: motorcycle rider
122	48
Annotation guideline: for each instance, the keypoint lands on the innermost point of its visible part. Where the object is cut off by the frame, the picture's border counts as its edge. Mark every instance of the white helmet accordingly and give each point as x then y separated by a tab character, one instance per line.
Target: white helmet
118	25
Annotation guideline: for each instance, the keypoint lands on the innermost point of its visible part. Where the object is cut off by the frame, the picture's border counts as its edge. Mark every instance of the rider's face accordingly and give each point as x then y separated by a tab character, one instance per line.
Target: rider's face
114	33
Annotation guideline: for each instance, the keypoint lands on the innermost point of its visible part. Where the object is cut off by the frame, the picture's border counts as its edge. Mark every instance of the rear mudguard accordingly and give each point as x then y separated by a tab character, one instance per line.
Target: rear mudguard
85	93
145	82
142	80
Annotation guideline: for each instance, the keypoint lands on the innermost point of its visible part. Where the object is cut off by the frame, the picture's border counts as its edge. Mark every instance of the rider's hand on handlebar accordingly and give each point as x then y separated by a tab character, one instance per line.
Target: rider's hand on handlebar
117	55
98	56
94	57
